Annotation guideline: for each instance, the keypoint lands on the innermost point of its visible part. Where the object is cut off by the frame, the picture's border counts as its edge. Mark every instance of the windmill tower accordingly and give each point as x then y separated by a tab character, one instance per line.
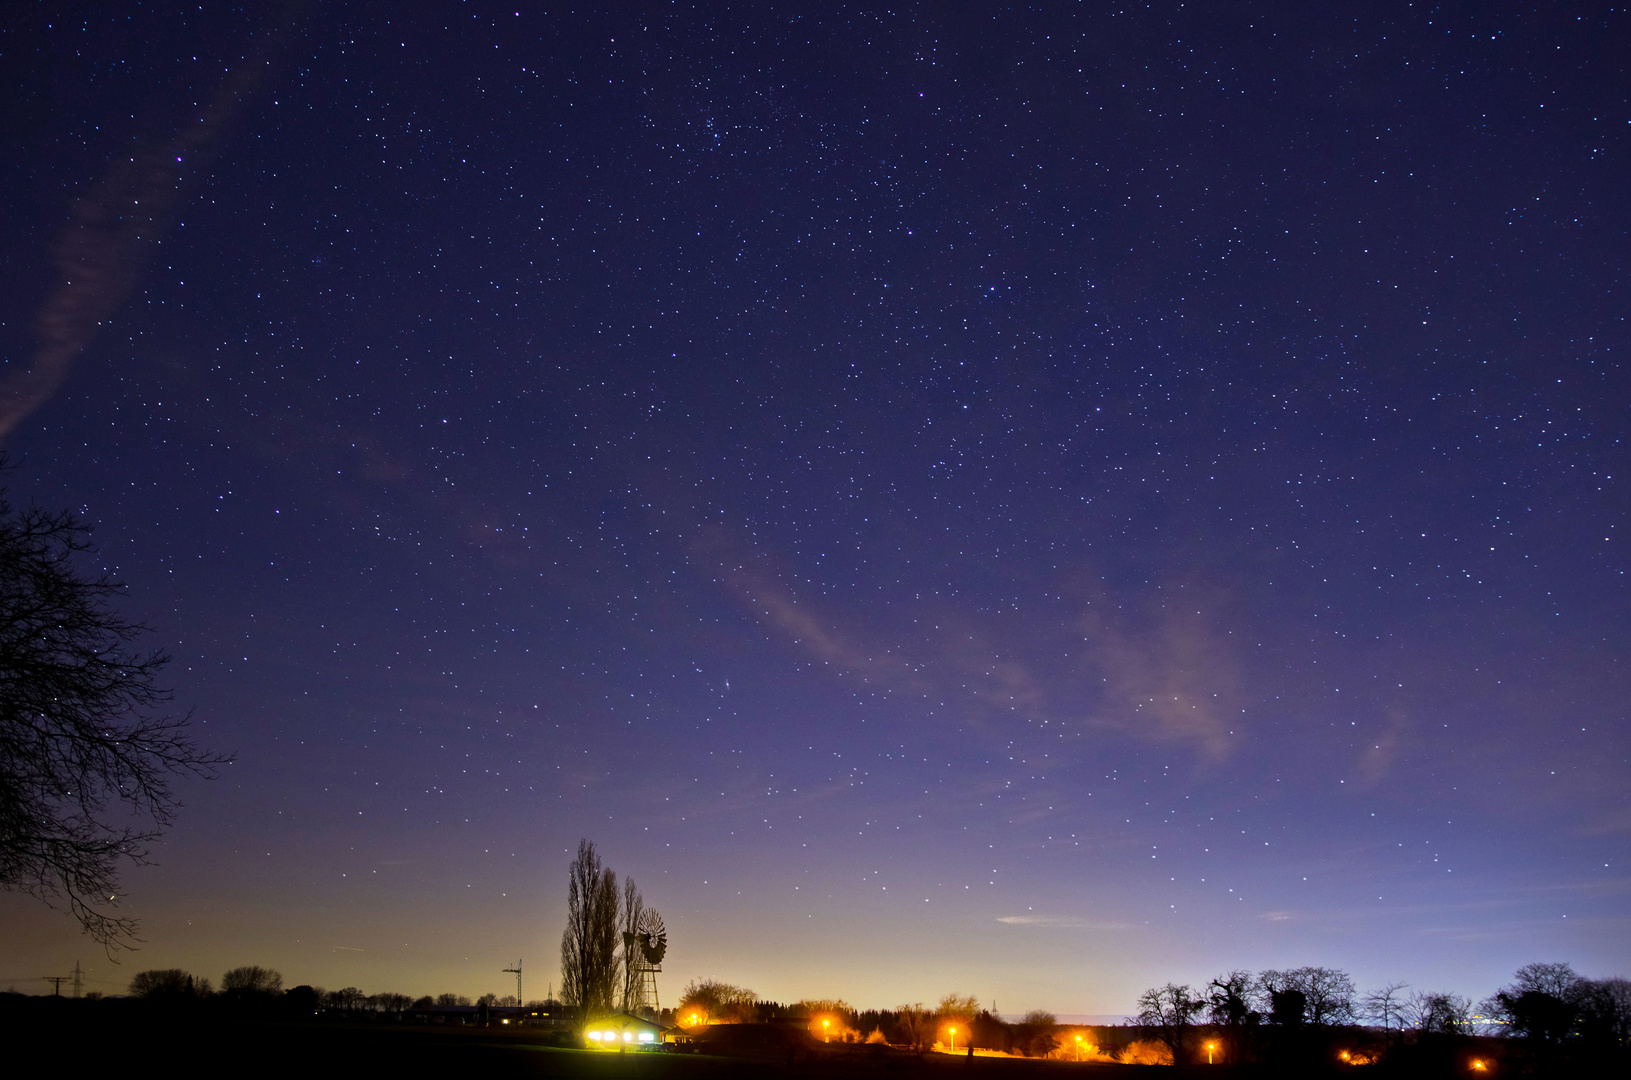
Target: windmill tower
650	944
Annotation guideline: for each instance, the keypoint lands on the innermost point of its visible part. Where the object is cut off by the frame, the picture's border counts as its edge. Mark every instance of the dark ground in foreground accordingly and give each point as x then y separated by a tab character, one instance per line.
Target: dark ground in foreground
129	1038
294	1051
520	1056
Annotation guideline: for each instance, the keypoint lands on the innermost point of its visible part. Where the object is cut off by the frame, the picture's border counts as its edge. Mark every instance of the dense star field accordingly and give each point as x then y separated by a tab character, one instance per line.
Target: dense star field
1032	503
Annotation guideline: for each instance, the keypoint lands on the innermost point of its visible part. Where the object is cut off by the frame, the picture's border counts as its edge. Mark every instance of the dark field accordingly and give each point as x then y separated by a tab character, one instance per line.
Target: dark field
123	1041
113	1038
294	1051
423	1051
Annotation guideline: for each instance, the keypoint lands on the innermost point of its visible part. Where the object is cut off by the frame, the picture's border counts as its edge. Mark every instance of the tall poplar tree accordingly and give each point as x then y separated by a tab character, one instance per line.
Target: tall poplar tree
629	916
589	944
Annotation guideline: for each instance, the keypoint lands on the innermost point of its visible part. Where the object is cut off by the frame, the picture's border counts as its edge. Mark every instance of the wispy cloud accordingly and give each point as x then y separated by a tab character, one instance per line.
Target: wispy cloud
1156	669
100	253
749	576
1168	673
1377	759
1060	922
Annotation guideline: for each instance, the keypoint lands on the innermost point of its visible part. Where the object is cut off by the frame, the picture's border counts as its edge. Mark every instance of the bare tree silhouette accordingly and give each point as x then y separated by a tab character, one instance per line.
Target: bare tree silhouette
589	943
86	751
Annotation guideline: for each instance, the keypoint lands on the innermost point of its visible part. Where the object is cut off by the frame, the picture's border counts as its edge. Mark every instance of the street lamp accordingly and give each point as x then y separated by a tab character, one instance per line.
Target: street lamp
1209	1048
1078	1048
826	1036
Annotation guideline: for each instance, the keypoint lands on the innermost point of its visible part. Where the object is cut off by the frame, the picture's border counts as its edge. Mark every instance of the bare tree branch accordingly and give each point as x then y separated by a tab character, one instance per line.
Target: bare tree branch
86	752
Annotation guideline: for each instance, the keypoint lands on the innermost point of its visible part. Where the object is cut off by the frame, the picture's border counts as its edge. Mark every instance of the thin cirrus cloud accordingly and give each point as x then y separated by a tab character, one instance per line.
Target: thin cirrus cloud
1059	922
1154	671
99	254
748	576
1169	676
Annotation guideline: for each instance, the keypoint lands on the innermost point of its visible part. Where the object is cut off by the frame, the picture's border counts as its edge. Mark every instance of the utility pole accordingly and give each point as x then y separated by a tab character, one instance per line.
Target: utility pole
56	982
516	971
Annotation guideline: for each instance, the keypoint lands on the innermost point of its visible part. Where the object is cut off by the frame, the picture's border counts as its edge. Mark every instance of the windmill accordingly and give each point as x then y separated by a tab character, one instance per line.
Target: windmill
645	949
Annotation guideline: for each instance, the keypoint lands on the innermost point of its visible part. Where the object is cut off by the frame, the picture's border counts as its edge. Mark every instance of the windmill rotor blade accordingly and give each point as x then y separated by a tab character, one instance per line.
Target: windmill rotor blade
653	936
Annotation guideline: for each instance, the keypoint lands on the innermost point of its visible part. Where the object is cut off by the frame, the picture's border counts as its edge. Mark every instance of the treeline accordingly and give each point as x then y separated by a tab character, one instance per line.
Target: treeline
952	1024
1548	1018
1548	1021
261	989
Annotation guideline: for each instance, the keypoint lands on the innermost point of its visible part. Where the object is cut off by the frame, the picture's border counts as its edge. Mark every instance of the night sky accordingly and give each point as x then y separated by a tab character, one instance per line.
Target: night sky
949	497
